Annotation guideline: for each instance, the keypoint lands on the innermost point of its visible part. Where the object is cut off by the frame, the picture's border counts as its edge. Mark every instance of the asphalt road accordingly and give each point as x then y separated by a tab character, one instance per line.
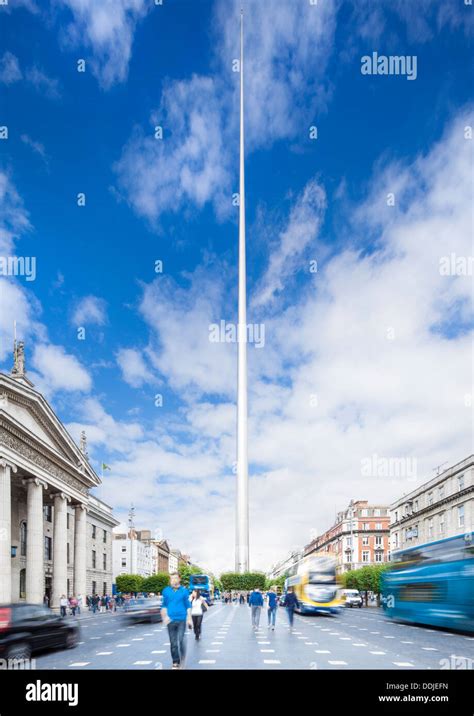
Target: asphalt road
356	639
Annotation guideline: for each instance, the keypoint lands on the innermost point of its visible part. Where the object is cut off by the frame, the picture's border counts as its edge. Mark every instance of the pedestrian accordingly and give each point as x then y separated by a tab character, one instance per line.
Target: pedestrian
46	600
63	602
272	607
80	603
256	604
94	603
291	603
242	599
176	613
198	609
73	605
103	604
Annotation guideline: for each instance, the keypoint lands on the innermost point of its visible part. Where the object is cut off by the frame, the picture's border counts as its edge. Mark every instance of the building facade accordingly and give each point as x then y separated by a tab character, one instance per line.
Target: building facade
161	553
442	507
282	567
359	537
132	556
46	506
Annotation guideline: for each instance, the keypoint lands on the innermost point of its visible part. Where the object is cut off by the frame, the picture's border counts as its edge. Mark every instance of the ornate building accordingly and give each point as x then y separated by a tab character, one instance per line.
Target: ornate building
55	537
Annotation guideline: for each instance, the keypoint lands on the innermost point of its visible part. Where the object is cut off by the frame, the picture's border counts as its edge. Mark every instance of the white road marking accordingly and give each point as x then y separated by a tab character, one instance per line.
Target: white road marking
267	651
104	653
382	653
271	661
429	648
207	661
138	638
142	662
119	645
407	642
354	644
338	663
159	651
389	637
321	651
402	663
80	663
212	651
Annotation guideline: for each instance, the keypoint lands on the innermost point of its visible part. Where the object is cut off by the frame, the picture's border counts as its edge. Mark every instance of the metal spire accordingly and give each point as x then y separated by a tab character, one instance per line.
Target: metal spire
242	518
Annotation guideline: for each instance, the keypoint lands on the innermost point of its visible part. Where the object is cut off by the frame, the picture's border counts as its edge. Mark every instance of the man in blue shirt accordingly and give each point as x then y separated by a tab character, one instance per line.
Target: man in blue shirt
176	613
256	604
272	607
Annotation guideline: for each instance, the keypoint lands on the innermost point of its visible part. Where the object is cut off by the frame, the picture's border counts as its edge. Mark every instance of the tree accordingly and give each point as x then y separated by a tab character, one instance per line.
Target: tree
185	571
156	583
234	581
129	583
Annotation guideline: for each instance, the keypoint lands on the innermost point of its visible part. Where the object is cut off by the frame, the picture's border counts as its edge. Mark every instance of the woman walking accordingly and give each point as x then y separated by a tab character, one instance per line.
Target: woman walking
198	607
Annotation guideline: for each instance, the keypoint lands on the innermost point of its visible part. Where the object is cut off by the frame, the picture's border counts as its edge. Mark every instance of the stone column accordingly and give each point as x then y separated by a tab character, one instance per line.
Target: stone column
35	541
5	532
59	548
80	550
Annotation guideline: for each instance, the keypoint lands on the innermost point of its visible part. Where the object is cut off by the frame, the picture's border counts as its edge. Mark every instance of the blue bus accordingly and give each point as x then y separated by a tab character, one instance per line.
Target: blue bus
203	582
432	584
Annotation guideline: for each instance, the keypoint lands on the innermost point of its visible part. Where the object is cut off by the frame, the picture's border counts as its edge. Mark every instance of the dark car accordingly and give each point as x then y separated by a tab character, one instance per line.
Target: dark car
28	628
143	609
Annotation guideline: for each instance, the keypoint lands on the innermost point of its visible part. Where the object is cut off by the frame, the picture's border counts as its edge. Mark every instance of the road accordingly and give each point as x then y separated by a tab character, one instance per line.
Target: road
356	639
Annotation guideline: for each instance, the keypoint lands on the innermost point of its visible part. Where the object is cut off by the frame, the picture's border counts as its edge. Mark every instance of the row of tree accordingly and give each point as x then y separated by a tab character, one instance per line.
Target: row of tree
157	582
366	579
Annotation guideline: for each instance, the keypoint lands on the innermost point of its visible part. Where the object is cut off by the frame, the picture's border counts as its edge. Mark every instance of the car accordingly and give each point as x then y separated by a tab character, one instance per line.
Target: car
352	598
28	628
143	609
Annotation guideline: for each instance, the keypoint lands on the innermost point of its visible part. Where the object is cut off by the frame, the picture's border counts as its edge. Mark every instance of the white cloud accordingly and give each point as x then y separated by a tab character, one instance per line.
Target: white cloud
37	147
90	310
10	71
59	370
105	30
187	166
14	219
302	229
133	367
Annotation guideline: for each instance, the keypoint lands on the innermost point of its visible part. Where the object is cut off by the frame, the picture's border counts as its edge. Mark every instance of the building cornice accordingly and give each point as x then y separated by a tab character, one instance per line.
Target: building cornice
434	507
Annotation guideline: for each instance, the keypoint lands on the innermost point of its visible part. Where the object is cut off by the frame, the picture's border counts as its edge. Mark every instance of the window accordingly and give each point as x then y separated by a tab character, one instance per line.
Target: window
461	516
94	587
22	583
366	526
47	547
365	513
430	527
349	541
415	506
365	556
68	588
124	549
396	515
378	526
378	541
379	556
68	517
104	591
430	498
94	531
365	541
377	512
460	482
23	539
395	540
94	560
442	523
124	562
441	492
48	513
104	560
104	537
68	552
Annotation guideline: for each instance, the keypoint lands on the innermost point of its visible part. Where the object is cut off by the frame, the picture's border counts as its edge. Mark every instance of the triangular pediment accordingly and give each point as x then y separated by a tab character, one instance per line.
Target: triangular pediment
26	410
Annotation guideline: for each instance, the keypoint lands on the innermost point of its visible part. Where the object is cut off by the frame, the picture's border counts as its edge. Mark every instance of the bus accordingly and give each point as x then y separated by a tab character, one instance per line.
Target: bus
313	579
432	584
203	582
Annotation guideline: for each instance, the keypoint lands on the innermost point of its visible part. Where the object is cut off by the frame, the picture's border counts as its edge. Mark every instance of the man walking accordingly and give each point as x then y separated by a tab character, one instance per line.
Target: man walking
290	603
272	607
256	604
176	613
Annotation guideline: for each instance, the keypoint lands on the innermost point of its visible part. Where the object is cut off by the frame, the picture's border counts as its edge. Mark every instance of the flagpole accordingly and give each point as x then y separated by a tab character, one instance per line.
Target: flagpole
242	517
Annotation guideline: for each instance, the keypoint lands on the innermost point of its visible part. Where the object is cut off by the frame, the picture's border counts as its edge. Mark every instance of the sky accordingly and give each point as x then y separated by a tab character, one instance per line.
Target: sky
119	176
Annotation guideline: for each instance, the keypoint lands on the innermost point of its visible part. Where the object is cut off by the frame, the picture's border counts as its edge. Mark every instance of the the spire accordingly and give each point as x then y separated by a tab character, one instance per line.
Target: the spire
242	517
83	444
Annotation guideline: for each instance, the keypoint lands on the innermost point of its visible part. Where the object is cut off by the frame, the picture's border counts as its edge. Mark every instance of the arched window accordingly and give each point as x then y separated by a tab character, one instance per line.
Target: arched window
22	583
23	530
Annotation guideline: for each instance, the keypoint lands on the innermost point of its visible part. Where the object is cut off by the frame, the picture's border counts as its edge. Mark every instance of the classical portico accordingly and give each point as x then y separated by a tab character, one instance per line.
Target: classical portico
45	480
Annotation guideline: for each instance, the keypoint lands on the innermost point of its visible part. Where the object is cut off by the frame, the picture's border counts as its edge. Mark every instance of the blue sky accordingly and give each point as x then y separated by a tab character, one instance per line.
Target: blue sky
377	334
